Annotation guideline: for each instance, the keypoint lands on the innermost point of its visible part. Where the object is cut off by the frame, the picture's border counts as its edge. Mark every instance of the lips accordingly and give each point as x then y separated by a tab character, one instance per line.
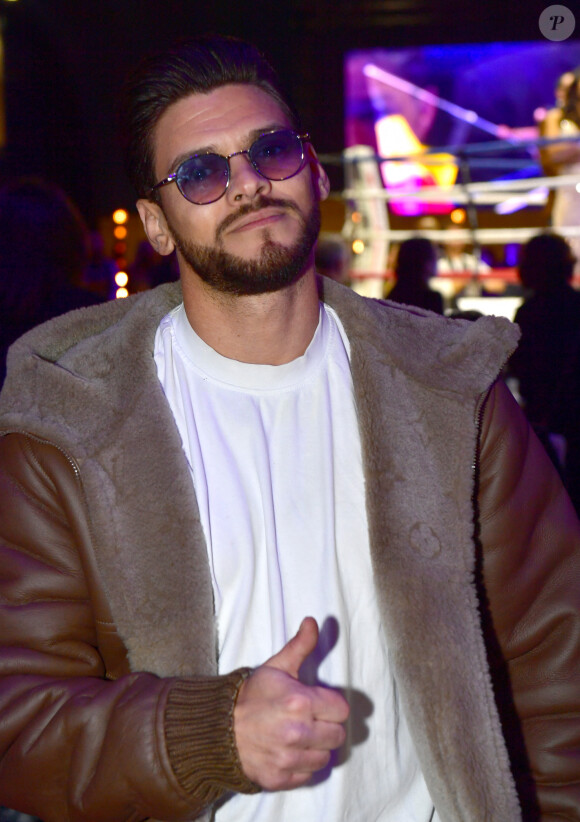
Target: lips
258	219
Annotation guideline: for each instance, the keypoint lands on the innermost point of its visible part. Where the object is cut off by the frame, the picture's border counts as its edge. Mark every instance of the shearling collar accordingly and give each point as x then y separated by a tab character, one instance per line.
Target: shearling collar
94	344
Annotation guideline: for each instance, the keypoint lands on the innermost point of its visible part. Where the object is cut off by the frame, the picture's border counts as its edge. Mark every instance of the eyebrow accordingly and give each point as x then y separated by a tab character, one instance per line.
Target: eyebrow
212	149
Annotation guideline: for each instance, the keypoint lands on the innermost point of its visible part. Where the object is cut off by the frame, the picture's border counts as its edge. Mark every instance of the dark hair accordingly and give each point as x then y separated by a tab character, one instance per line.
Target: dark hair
193	66
416	260
570	108
546	262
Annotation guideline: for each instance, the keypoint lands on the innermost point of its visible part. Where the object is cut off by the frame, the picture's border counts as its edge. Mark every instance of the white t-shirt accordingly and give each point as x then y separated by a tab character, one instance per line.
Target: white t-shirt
276	463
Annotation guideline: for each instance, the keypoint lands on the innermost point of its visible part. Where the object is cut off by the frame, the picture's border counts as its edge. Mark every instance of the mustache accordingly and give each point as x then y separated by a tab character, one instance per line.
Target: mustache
249	208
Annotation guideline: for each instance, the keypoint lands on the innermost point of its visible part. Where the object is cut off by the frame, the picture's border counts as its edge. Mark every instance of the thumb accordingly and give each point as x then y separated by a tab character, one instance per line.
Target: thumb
293	654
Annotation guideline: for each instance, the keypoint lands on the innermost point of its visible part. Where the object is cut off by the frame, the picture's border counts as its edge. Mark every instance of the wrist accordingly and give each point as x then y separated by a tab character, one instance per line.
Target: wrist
200	739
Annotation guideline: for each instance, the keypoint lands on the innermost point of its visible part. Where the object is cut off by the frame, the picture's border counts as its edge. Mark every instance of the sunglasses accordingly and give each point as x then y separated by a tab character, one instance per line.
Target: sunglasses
204	178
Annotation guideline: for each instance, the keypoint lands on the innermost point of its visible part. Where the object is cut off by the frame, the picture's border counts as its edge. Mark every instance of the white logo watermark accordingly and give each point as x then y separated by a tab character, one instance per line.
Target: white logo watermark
557	23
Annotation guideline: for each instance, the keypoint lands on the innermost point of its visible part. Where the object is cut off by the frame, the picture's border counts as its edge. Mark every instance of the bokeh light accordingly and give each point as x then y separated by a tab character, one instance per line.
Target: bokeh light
458	216
120	216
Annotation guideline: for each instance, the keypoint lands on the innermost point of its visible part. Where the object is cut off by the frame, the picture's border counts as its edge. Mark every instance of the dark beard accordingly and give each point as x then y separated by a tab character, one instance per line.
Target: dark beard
277	266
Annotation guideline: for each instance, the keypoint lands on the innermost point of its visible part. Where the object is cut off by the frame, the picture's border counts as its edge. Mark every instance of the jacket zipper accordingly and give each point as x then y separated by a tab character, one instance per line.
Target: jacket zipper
479	414
68	458
479	425
77	472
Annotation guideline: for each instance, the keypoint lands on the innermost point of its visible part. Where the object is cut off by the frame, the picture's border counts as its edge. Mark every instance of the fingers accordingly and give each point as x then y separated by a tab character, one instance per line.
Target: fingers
294	653
285	730
327	705
290	764
284	753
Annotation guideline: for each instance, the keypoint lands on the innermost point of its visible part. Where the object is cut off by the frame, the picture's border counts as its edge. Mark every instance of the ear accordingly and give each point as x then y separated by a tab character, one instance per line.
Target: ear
155	226
319	176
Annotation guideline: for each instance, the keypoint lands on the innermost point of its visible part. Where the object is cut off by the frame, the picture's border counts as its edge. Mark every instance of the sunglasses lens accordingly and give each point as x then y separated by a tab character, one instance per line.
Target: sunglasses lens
277	156
203	179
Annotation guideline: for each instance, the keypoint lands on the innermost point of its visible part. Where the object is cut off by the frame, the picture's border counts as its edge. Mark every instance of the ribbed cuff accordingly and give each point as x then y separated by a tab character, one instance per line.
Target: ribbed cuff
199	732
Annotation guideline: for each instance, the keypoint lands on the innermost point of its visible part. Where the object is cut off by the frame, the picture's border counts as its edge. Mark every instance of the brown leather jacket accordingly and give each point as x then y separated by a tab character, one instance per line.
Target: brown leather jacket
110	706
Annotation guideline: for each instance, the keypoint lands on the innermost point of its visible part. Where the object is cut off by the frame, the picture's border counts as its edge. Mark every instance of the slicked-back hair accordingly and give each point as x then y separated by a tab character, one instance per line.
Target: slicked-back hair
193	66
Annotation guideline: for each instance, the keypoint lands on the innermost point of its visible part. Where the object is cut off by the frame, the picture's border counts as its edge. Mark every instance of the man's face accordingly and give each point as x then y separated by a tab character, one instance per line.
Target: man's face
259	236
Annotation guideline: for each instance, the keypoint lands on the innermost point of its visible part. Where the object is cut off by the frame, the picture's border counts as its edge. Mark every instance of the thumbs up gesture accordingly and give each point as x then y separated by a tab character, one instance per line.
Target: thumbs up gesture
285	730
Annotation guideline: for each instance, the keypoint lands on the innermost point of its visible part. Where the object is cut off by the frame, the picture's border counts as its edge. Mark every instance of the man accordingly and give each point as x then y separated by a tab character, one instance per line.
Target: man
415	267
185	485
546	363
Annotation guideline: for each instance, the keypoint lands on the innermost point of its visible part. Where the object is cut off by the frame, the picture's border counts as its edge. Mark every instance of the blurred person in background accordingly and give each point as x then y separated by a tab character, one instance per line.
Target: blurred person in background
141	269
457	257
547	360
549	124
331	258
99	273
44	250
149	269
416	264
564	157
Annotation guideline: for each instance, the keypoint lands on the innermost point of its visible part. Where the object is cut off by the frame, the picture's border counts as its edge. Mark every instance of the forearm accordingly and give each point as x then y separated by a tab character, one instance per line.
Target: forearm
88	749
76	742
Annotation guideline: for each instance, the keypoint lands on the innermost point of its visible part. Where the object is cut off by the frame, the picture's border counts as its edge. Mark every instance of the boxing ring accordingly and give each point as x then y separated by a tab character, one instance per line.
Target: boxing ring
398	103
368	228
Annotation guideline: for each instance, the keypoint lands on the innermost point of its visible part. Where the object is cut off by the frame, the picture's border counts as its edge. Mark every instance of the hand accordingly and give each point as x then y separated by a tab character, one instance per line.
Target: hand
285	730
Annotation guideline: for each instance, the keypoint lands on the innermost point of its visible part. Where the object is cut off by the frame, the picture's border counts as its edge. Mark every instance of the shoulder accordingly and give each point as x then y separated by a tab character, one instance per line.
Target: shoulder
84	338
88	364
432	349
550	125
61	335
32	462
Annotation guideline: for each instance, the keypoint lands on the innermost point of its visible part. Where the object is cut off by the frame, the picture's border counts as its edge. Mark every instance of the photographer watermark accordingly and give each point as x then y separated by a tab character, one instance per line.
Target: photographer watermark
557	23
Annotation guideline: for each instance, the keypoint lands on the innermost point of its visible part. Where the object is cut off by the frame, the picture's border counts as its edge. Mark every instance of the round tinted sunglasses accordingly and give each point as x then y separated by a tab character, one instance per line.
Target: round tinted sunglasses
204	178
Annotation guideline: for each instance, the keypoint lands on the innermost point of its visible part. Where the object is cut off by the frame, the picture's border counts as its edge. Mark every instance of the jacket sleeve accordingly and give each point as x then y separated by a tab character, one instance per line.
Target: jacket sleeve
75	745
530	540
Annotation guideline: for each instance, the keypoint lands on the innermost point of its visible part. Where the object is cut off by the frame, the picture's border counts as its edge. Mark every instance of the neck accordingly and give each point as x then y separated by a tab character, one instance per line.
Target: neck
265	329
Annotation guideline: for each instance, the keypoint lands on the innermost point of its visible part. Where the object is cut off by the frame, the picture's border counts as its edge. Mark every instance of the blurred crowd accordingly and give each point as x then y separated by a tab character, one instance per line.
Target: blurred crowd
50	262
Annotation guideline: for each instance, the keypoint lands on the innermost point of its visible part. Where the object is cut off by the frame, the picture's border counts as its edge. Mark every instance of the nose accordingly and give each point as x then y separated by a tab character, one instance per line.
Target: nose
245	182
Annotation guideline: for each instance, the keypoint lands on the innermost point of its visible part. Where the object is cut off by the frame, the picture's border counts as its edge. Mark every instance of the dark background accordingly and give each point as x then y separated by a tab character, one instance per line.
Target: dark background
65	60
